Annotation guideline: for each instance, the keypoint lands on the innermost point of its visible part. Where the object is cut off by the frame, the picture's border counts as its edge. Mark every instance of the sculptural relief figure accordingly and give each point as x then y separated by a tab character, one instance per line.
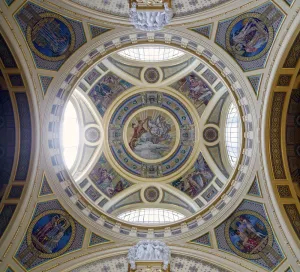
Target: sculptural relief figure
149	250
150	20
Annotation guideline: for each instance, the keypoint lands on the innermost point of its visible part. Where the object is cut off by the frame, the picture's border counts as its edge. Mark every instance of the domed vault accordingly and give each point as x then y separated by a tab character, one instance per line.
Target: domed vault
111	135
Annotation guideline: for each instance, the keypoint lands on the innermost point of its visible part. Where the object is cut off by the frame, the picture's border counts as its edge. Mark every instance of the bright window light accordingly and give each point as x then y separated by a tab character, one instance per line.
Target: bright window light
151	216
70	133
151	53
232	132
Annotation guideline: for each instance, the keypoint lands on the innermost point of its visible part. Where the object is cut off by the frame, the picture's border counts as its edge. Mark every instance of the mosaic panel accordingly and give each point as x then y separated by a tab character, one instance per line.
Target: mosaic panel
275	143
202	240
6	55
6	214
106	90
294	217
247	233
97	30
106	179
158	134
255	82
255	189
51	37
195	89
196	179
293	135
51	233
294	54
7	139
25	137
97	240
203	30
45	82
249	36
45	187
9	270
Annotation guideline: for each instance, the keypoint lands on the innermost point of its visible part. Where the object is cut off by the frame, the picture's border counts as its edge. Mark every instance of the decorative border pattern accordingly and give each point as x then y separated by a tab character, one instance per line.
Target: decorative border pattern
275	135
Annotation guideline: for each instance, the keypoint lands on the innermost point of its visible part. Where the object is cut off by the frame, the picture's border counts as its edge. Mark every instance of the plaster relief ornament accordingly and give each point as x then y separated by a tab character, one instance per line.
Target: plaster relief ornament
150	20
149	250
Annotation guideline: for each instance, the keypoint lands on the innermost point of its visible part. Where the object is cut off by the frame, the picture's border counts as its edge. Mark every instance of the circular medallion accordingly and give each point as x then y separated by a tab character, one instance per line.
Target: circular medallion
151	194
297	120
151	75
151	134
51	37
249	37
51	233
210	134
92	134
248	234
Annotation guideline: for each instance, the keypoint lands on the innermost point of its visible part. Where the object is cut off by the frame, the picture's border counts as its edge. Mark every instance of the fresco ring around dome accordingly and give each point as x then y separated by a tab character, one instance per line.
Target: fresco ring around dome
172	124
151	134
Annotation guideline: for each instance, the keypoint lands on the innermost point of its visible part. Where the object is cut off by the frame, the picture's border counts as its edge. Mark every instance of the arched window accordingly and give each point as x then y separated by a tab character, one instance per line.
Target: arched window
151	216
232	131
151	53
70	131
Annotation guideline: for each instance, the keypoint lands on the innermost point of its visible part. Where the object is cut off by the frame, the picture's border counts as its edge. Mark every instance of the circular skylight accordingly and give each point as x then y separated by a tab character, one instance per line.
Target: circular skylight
151	53
70	132
151	216
232	131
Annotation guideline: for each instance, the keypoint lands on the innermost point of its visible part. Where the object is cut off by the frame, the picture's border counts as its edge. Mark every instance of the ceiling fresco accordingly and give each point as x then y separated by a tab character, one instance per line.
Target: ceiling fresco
151	135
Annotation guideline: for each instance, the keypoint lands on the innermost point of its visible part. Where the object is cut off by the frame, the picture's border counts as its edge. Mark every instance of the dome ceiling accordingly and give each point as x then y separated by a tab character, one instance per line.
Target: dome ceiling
152	135
121	8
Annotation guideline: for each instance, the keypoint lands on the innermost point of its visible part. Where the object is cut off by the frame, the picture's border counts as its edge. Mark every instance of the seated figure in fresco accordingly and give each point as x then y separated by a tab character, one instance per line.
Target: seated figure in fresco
198	90
247	234
251	37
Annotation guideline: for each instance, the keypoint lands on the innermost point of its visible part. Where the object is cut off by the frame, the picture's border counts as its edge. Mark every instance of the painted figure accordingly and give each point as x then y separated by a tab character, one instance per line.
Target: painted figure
49	231
51	37
106	180
196	181
195	88
151	137
248	234
249	37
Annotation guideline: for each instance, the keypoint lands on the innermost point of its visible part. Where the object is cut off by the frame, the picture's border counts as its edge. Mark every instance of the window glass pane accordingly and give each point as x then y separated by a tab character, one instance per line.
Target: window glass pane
151	216
151	53
232	134
70	131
